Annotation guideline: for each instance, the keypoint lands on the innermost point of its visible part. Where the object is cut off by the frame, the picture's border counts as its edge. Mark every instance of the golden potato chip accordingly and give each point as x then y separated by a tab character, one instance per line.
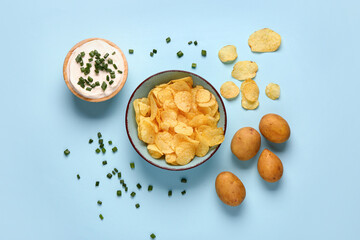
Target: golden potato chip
249	105
272	90
202	149
147	130
170	105
229	90
210	103
210	136
201	119
169	116
180	86
203	96
153	107
154	151
182	128
185	152
144	109
188	80
244	69
165	94
171	159
163	141
250	91
183	100
264	40
227	53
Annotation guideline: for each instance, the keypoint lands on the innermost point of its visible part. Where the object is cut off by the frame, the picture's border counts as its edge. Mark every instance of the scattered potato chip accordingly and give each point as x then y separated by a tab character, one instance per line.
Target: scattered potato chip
154	151
227	53
244	69
249	105
272	90
264	40
229	90
178	121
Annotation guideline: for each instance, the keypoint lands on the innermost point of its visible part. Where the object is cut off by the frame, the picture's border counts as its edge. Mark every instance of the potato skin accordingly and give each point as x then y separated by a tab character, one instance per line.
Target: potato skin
245	143
230	189
274	128
270	166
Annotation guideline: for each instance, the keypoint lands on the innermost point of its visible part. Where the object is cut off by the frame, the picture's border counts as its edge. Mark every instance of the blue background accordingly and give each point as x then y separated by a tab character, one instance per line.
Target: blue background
316	67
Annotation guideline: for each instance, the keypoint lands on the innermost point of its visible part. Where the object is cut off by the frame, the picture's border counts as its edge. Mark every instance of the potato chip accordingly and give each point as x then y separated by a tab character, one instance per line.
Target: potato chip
272	90
264	40
185	152
163	141
154	151
178	121
227	53
244	69
171	159
203	96
249	105
250	91
182	128
183	100
229	90
202	149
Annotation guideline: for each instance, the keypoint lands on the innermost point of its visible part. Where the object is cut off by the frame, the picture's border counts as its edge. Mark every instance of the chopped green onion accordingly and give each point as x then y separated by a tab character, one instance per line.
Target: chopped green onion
131	51
119	71
111	82
66	152
180	54
110	61
91	59
101	217
82	54
124	185
102	145
119	174
99	202
97	83
114	149
132	165
90	79
78	58
112	75
168	40
91	141
118	193
154	51
109	175
122	181
78	176
104	86
107	78
115	169
110	142
97	183
151	54
193	65
190	42
97	150
133	194
183	192
138	186
184	180
88	89
113	173
203	53
81	63
99	135
169	193
92	54
150	188
126	189
103	150
195	43
114	65
106	55
153	236
113	53
137	205
101	141
97	71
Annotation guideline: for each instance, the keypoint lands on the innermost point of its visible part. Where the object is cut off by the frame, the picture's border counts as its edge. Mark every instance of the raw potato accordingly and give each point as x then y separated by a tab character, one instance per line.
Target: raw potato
264	40
230	189
272	90
274	128
244	69
245	143
229	90
270	166
227	54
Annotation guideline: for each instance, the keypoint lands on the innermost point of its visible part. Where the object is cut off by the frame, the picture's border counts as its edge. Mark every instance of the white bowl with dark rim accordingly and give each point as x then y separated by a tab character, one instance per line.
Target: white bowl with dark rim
142	91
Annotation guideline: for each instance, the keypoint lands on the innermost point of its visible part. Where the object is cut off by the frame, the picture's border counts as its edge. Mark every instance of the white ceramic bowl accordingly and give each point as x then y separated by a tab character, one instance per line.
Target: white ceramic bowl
142	91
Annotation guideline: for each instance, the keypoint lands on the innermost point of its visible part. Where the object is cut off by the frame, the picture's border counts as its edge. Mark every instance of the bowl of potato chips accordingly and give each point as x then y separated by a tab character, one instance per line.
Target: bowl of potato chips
175	120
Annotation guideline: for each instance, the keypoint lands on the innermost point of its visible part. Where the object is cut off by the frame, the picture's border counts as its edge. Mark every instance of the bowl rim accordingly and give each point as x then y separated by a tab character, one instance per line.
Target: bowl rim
127	128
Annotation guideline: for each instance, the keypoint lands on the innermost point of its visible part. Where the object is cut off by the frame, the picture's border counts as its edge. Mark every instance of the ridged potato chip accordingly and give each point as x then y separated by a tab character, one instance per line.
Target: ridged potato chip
154	151
244	69
229	90
178	121
250	91
227	53
264	40
272	90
